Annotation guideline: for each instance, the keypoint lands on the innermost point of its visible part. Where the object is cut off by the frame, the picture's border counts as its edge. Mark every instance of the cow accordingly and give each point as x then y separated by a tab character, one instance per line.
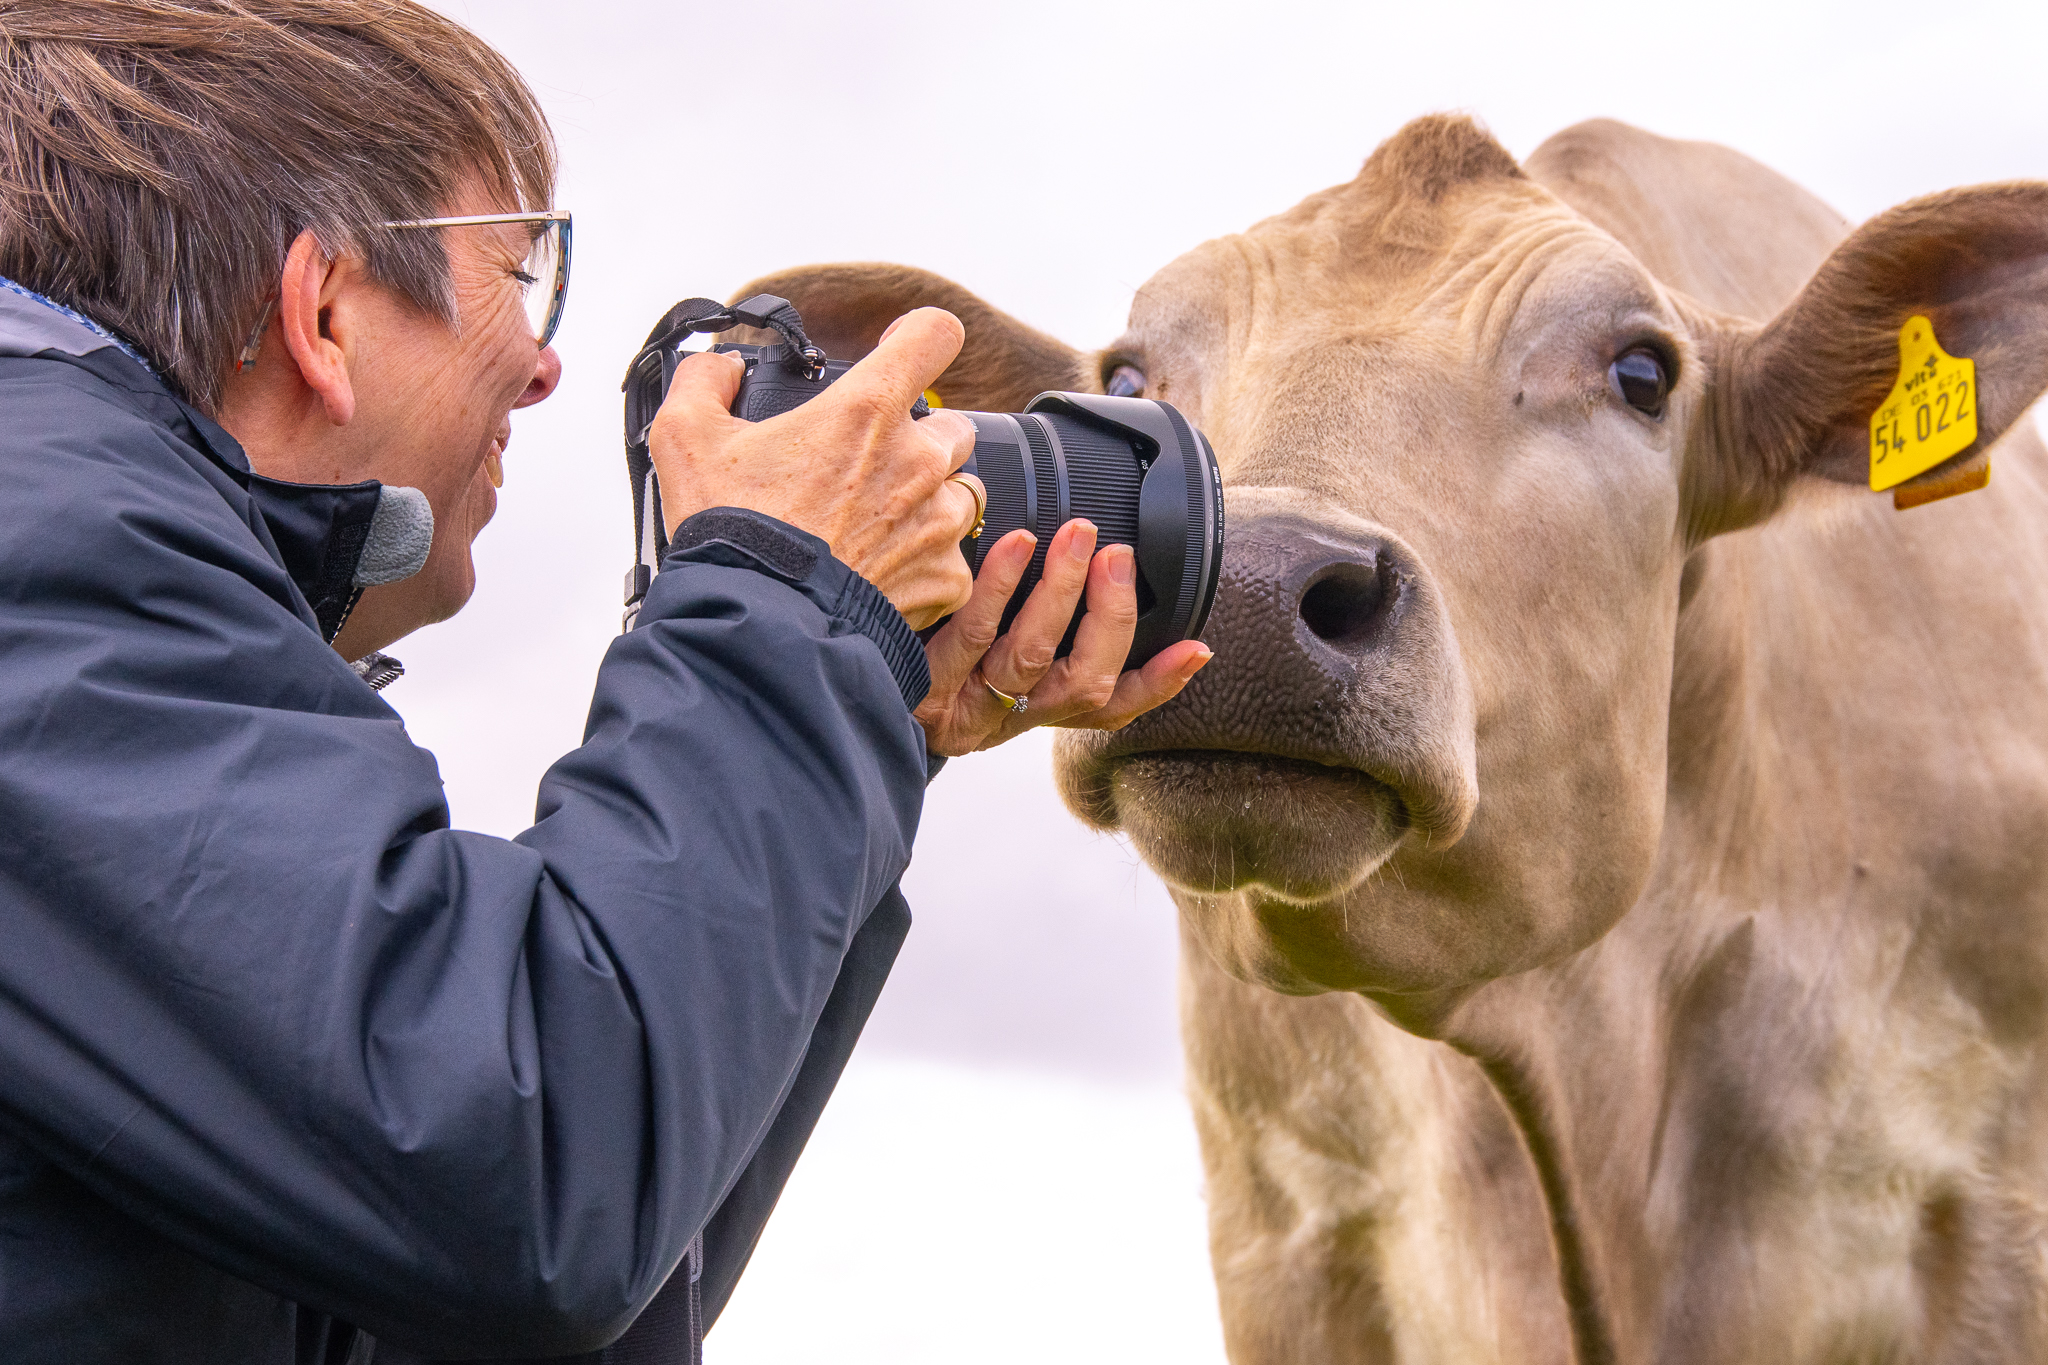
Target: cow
1610	842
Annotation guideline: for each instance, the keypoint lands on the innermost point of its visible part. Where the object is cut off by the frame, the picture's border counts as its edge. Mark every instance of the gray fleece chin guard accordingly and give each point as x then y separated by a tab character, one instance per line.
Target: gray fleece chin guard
401	535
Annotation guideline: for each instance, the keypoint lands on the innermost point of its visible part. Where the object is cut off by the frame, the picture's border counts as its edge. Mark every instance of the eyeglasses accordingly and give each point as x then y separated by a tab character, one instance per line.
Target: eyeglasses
545	279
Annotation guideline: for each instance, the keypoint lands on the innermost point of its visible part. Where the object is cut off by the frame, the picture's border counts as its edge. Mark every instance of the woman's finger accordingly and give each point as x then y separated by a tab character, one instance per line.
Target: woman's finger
693	418
947	585
977	491
1141	689
908	359
955	433
1104	639
1137	691
1085	680
961	642
1021	658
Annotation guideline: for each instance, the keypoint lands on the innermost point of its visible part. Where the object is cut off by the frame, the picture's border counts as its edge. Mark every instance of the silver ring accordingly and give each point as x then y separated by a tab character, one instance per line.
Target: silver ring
1014	703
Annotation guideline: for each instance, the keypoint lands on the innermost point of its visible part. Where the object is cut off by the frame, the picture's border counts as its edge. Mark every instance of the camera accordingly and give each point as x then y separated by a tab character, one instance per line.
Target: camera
1132	466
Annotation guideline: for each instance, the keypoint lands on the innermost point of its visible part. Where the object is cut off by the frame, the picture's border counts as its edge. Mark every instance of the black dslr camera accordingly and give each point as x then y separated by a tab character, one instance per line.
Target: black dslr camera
1133	466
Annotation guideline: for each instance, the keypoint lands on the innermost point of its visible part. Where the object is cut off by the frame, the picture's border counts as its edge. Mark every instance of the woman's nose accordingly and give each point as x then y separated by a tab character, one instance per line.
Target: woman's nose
546	374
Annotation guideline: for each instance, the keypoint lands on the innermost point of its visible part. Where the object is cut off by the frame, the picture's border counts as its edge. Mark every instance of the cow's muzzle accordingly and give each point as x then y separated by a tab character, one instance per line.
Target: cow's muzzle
1334	722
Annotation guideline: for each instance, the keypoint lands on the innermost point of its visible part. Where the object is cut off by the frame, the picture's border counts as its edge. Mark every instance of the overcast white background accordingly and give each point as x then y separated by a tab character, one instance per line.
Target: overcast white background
1008	1172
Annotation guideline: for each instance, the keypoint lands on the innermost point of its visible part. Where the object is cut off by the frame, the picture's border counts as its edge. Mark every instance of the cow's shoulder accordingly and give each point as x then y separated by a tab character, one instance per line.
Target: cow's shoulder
1704	219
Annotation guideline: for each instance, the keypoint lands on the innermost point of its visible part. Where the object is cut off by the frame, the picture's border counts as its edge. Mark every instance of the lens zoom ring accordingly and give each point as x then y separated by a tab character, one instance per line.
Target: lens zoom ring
1104	476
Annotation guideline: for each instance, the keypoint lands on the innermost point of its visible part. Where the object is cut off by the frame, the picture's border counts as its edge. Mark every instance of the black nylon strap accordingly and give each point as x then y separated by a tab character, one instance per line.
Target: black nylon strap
670	1330
643	397
691	315
656	354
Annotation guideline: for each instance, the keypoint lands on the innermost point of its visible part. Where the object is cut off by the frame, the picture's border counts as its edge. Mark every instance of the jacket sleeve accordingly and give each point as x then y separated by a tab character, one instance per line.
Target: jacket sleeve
475	1095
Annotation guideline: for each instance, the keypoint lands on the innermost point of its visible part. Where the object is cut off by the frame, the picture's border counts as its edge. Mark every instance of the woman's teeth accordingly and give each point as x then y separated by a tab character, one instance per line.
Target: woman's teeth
494	465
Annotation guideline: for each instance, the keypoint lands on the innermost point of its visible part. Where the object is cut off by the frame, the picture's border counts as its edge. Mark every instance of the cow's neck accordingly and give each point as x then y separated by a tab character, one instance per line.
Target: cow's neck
1799	1017
1533	1034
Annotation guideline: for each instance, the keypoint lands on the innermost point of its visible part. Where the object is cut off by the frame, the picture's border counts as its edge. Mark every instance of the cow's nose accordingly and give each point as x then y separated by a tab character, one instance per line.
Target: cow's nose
1327	596
1349	603
1348	591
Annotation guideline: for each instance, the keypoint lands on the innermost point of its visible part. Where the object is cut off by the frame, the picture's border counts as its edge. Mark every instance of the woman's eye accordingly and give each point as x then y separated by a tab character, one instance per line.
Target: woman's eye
1639	377
1125	381
526	281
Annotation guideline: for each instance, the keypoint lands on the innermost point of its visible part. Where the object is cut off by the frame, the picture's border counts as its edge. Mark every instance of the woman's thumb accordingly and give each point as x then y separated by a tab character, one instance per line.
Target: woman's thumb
700	396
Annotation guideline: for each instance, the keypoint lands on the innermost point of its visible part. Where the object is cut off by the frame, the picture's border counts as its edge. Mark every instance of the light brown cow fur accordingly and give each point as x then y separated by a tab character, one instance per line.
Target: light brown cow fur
1720	971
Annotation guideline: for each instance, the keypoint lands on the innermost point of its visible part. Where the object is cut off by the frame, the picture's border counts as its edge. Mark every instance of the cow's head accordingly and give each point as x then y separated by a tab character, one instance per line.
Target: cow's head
1469	442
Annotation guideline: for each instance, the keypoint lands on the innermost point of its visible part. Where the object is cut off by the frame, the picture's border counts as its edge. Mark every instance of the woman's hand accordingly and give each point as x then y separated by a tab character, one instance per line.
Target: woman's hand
849	466
1082	691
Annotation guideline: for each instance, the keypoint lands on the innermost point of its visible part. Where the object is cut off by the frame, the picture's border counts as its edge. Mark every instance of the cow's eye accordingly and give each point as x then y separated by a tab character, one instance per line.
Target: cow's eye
1125	381
1639	377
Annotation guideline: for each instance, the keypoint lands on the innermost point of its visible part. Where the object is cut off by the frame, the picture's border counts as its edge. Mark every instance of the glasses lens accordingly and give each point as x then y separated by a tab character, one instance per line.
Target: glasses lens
548	264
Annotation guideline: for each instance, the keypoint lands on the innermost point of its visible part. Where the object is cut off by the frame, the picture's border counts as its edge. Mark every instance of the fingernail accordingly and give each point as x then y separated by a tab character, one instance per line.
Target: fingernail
1082	546
1123	566
1201	659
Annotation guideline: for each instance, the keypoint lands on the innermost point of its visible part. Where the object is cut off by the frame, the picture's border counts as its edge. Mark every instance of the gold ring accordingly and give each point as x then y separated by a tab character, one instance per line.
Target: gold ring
1014	703
973	486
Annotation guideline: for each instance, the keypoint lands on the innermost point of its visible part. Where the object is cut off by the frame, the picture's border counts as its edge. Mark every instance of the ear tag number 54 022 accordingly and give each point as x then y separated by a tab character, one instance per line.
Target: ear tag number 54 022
1931	414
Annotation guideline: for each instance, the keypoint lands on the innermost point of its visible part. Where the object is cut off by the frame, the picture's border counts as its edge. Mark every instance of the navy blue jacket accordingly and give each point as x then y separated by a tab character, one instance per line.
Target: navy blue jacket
283	1056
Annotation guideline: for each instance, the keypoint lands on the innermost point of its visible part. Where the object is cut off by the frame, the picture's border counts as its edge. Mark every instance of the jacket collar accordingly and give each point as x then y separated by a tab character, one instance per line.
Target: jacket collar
333	539
31	324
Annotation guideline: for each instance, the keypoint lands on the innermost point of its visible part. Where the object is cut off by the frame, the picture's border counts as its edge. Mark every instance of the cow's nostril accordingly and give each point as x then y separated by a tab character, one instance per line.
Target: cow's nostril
1345	603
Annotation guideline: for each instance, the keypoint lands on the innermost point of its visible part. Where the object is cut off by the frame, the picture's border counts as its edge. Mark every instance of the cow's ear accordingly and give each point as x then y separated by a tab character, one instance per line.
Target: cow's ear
1795	396
1002	366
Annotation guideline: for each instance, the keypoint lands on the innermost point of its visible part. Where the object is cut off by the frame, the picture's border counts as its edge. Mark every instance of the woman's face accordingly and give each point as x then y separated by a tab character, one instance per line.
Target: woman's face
434	405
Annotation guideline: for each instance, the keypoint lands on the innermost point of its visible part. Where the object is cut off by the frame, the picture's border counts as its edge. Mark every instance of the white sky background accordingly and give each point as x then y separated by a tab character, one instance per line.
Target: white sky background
1008	1172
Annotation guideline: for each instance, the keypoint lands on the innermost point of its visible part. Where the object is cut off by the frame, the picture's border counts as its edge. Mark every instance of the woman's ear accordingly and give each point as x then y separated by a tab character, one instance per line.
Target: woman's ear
309	283
1003	365
1795	396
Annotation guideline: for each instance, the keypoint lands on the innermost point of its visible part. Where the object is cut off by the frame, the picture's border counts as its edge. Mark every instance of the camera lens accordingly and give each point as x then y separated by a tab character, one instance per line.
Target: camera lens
1133	467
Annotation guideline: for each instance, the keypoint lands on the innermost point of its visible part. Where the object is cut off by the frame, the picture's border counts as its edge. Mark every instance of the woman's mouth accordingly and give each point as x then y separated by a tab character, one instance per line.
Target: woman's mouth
494	459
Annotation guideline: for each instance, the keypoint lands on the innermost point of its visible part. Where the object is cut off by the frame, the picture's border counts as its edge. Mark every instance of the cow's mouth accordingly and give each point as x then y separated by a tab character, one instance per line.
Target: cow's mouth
1333	728
1217	820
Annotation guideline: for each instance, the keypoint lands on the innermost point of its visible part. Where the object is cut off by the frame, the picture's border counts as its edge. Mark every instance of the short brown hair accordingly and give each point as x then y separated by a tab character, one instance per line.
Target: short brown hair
159	156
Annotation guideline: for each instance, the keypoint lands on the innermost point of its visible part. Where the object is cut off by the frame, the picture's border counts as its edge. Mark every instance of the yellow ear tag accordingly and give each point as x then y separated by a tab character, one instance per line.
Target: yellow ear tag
931	400
1931	414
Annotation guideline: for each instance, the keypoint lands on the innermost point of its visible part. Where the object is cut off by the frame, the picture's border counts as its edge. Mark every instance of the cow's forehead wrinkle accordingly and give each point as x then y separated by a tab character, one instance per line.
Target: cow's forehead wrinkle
1375	378
1233	297
1390	229
1545	268
1330	371
1377	214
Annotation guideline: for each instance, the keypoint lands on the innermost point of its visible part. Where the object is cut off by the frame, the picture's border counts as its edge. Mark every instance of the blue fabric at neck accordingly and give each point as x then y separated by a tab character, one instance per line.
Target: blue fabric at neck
84	321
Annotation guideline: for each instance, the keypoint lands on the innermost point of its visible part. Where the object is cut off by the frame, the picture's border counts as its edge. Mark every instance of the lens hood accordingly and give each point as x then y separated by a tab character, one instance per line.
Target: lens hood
1179	542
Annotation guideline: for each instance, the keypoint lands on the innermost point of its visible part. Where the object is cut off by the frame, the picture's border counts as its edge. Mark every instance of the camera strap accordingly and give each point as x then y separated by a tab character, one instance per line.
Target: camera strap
670	1329
647	381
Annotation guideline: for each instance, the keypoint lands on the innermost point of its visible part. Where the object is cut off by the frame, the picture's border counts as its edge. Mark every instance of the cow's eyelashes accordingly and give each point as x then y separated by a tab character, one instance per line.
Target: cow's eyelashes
1125	381
1642	379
